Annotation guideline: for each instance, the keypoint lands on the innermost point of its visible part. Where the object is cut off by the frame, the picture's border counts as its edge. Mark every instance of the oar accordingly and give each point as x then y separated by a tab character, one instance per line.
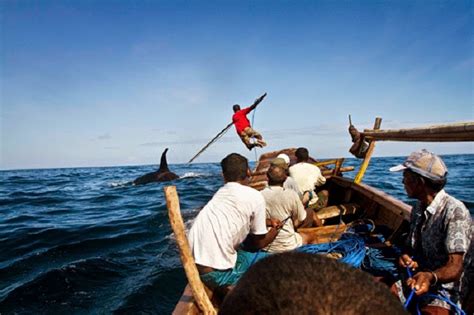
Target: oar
177	224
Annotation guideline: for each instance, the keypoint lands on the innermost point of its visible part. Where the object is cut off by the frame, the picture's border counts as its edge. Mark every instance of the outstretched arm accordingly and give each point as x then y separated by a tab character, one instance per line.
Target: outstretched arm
257	101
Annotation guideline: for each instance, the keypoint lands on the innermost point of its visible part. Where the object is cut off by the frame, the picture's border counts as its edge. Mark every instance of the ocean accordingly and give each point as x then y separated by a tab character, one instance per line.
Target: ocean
86	241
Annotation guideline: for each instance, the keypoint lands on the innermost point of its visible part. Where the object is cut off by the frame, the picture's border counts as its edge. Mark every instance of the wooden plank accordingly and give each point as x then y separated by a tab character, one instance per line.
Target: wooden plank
177	224
385	200
324	234
341	170
440	133
335	211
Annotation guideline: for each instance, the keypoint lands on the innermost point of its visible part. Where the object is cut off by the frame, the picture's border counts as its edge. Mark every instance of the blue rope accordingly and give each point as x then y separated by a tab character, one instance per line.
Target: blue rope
350	246
429	295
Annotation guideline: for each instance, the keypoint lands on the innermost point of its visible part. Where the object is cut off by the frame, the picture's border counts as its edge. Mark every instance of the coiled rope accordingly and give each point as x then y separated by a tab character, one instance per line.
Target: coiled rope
351	247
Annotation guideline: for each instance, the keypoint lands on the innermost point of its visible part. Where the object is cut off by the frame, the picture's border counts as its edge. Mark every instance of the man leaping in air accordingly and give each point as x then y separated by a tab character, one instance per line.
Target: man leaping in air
242	125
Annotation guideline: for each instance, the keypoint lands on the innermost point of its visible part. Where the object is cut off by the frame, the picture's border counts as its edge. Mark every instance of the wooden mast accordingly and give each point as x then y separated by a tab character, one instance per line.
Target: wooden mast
177	224
368	154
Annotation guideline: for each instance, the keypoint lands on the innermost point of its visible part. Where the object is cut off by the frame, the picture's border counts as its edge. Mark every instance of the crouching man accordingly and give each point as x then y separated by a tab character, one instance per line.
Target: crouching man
285	205
236	213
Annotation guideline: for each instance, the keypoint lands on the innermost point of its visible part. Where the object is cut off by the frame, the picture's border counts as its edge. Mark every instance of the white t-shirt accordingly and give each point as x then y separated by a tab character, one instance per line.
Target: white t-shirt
282	203
291	184
233	212
307	176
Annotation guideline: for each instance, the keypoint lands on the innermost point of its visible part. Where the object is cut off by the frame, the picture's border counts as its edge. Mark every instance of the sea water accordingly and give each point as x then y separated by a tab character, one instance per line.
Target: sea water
86	241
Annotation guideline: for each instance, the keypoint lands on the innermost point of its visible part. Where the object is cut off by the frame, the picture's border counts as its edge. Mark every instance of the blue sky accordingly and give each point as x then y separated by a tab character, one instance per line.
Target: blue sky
99	83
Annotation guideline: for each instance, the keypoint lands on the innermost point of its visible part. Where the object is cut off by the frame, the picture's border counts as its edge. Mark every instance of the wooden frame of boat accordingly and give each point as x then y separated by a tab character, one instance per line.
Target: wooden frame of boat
348	200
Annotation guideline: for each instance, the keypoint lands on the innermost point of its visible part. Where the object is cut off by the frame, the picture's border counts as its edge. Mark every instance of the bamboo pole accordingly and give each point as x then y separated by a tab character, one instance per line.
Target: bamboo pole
368	155
220	134
439	133
177	224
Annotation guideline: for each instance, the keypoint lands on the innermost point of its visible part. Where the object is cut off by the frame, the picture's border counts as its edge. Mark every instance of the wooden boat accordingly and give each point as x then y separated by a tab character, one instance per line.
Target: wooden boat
349	200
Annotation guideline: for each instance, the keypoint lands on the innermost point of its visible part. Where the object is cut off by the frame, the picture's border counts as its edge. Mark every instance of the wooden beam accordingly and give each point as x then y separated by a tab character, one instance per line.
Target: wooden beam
439	133
335	211
368	154
177	224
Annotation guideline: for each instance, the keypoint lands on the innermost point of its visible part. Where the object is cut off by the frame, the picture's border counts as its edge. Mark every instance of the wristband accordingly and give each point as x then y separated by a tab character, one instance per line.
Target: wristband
435	277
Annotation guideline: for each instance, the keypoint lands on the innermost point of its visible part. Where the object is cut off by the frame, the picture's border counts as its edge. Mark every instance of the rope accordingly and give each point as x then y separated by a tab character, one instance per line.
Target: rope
350	246
430	295
254	148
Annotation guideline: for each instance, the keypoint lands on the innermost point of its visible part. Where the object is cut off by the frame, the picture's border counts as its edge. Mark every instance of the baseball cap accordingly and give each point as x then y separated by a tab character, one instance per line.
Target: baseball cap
284	157
424	163
279	162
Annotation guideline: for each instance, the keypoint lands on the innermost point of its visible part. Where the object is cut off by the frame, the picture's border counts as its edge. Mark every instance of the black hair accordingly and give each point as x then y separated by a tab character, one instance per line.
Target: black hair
302	283
302	154
236	107
234	167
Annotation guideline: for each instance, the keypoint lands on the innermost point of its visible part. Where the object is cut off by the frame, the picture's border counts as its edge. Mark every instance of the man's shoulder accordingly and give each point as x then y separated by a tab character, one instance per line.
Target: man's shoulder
243	191
456	206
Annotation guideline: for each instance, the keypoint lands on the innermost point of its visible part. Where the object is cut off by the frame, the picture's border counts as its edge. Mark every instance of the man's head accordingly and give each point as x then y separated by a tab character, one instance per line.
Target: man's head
285	157
276	175
302	154
302	283
236	108
234	167
422	169
279	162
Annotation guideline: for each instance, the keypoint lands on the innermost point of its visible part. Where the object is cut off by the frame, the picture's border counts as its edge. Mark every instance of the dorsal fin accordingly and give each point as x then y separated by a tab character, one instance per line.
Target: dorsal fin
163	162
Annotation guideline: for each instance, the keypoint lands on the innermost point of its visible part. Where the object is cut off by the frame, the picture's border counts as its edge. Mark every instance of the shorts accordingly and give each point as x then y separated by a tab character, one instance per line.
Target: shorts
224	278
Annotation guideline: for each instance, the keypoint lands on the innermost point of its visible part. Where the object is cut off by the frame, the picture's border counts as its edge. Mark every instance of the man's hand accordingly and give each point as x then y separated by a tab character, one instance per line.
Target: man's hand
406	261
258	100
274	223
421	282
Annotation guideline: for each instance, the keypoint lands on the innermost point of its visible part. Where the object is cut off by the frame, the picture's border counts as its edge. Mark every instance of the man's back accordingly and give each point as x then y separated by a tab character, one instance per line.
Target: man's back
307	176
233	212
281	204
240	120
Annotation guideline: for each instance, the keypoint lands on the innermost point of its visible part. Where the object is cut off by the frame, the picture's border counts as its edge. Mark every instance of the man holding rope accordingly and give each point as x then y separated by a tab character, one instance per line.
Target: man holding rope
242	125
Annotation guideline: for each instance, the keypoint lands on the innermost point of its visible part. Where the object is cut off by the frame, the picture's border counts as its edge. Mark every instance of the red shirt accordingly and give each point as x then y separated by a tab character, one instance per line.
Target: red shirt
240	120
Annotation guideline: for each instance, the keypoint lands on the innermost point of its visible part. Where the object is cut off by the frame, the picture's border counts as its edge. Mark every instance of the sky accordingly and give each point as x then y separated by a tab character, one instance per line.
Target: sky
106	83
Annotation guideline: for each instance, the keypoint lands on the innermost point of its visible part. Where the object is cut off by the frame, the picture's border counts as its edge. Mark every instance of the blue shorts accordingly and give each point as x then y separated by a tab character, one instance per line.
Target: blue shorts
229	277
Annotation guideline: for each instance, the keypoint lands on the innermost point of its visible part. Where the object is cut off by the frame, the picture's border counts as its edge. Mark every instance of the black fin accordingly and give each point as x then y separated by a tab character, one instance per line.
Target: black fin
163	162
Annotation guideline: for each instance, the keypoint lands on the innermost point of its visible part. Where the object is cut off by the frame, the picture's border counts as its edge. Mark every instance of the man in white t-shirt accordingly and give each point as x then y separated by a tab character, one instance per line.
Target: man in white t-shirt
284	205
236	213
308	177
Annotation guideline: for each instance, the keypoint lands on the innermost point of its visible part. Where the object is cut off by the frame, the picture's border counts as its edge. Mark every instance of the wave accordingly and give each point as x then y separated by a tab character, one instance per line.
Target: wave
60	290
193	174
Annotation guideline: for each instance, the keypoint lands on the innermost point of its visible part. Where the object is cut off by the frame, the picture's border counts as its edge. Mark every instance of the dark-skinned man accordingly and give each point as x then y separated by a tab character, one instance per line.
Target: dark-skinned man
235	214
439	233
242	125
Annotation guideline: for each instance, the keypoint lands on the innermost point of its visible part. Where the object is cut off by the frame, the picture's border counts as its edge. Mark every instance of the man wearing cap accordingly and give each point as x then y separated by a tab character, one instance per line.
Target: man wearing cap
284	205
283	161
439	232
242	125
